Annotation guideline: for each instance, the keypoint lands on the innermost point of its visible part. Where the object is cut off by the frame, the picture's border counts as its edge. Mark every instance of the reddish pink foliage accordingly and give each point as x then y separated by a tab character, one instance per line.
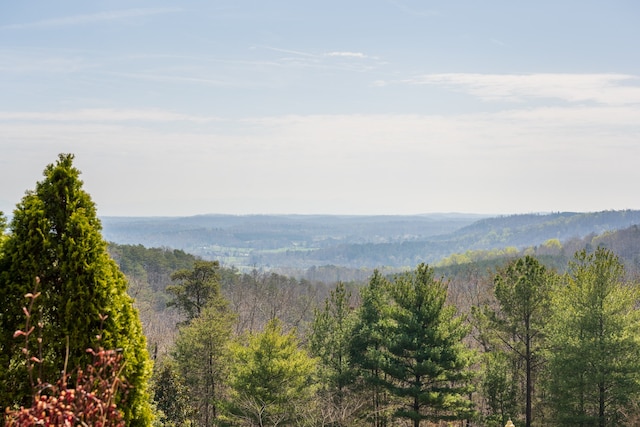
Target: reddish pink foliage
91	402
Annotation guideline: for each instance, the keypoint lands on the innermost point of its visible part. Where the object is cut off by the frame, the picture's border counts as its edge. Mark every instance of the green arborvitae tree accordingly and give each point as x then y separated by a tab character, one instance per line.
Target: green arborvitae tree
367	347
195	287
202	356
271	378
426	361
594	362
56	237
516	326
331	334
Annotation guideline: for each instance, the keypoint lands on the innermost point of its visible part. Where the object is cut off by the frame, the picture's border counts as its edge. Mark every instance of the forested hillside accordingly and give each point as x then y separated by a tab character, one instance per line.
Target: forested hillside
533	318
295	244
483	285
149	272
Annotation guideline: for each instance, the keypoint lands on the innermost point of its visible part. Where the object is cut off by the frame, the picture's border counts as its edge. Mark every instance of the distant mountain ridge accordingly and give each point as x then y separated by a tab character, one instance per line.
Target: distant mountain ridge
303	241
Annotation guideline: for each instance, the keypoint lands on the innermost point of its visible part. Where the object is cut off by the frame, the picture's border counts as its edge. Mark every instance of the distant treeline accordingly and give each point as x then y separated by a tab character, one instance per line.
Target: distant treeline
293	244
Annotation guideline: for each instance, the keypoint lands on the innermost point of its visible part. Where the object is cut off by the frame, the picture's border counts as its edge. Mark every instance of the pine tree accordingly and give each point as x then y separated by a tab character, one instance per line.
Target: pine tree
170	395
366	352
426	361
499	387
516	327
56	237
594	363
202	356
330	340
194	288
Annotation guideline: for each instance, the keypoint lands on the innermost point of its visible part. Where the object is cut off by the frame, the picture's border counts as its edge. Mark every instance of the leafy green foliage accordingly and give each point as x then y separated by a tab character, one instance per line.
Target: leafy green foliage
3	228
152	265
499	386
516	327
368	345
56	237
330	340
170	395
194	288
409	349
202	359
271	377
594	362
331	334
474	256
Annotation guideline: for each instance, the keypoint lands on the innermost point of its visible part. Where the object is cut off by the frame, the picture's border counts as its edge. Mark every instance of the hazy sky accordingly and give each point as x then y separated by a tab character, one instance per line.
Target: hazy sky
350	107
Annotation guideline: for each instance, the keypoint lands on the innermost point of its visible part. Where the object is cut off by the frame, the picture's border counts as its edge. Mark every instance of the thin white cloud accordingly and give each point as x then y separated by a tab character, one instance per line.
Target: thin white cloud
173	79
288	51
105	115
316	59
106	16
610	89
358	55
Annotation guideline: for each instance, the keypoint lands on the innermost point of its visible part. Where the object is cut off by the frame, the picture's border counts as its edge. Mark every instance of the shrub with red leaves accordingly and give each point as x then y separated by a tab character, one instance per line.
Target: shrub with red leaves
90	402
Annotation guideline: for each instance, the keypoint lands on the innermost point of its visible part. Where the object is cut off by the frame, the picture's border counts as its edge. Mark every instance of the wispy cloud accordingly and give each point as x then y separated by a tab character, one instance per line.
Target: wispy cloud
287	51
610	89
105	115
337	53
358	55
345	60
168	78
105	16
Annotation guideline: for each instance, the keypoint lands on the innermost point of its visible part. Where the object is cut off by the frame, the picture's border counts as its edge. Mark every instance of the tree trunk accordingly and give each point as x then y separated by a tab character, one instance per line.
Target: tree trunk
601	409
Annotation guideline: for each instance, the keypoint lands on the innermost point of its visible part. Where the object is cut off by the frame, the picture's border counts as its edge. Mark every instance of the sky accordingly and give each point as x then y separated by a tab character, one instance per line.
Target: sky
325	107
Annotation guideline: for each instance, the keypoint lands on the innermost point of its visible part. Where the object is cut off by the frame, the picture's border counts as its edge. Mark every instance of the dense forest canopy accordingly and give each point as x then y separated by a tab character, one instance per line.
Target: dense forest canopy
532	318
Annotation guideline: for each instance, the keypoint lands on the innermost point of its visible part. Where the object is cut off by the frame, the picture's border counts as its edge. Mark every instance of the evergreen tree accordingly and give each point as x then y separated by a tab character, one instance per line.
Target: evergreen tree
195	287
426	361
331	335
271	378
170	395
499	387
56	237
367	347
516	326
594	366
202	359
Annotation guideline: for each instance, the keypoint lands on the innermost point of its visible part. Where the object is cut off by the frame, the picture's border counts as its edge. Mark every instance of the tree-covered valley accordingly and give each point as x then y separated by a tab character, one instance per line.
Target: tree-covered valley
331	248
448	320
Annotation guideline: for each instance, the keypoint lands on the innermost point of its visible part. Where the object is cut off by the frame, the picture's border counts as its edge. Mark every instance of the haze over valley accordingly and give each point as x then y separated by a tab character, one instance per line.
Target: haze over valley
293	244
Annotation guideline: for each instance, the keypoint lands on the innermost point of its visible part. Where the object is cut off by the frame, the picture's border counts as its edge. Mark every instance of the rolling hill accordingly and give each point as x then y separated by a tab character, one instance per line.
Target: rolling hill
298	242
